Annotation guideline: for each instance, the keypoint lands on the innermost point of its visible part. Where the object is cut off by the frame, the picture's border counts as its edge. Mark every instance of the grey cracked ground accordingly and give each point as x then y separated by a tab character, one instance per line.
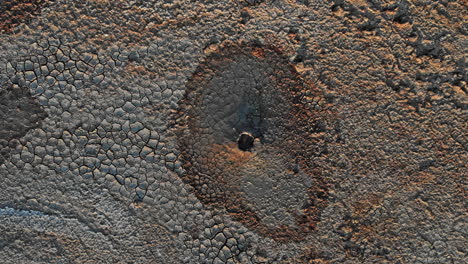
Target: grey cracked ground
120	124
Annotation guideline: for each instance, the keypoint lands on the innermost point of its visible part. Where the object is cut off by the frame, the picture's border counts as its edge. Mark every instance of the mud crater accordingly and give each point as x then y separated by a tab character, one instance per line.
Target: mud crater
246	141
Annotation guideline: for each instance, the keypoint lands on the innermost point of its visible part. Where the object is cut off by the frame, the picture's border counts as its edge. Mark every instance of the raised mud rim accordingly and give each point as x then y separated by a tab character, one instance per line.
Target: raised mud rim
300	124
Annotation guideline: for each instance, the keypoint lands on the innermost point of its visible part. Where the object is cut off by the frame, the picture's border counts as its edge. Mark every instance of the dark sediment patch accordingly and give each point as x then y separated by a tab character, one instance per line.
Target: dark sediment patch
19	113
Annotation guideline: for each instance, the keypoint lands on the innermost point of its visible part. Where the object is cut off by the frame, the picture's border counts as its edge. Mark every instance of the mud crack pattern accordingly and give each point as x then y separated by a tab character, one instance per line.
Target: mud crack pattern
14	12
233	131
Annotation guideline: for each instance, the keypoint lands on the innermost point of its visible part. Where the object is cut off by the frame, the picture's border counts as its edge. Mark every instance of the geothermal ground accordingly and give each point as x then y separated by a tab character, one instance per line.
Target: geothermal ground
233	131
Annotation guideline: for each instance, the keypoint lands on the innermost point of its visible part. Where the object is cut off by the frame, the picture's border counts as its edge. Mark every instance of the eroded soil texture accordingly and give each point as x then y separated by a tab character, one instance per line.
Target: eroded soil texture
14	12
233	131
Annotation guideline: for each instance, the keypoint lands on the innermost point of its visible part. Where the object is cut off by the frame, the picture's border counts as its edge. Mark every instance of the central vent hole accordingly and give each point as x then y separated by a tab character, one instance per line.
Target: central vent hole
245	141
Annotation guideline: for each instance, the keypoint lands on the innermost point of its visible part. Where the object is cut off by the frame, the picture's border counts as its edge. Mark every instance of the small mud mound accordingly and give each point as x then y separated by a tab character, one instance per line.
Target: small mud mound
247	141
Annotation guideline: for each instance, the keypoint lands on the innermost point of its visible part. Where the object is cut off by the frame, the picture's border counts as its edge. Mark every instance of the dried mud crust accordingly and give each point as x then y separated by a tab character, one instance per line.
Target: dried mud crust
14	12
19	113
275	188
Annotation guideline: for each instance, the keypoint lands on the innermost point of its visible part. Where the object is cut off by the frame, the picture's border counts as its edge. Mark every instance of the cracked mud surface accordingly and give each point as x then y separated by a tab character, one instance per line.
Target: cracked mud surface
233	131
14	12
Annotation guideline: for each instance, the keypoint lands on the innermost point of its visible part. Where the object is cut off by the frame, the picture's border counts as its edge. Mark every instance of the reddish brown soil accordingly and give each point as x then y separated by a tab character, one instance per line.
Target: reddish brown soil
15	12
